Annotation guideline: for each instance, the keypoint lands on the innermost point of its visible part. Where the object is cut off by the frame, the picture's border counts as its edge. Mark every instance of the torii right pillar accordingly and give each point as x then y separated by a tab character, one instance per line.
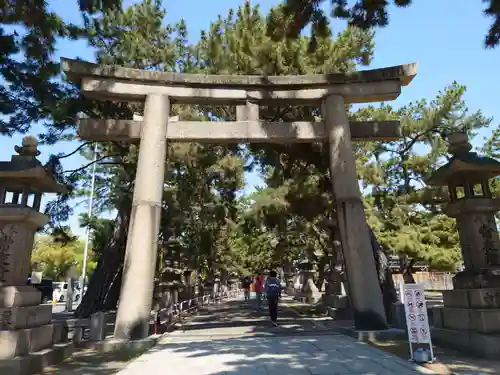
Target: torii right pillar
363	285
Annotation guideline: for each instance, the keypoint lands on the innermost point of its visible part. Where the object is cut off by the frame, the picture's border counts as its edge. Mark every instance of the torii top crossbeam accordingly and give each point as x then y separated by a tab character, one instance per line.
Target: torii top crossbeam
127	84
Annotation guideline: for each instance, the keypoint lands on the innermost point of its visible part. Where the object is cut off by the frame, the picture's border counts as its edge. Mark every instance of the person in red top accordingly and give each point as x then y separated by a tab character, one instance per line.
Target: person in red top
259	289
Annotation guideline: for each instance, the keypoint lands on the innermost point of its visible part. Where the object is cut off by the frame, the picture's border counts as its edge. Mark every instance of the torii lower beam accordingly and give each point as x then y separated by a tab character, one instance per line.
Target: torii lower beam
236	131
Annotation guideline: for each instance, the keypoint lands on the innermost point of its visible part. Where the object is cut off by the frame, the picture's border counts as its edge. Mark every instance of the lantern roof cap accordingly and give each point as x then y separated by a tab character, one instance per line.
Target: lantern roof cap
25	170
464	165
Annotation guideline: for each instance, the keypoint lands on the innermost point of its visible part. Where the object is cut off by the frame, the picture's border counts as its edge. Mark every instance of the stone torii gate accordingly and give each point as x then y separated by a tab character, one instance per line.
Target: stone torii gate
159	90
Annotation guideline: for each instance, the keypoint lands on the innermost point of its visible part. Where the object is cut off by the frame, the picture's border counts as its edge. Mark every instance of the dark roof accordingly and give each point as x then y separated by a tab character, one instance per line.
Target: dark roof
469	166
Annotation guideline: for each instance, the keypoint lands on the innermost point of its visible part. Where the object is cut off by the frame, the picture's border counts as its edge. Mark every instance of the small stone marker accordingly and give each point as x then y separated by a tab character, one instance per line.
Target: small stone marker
97	326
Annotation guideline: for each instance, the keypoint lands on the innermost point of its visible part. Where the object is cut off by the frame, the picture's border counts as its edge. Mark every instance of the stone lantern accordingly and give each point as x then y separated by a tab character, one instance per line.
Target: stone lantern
288	276
232	282
470	318
187	283
309	292
25	324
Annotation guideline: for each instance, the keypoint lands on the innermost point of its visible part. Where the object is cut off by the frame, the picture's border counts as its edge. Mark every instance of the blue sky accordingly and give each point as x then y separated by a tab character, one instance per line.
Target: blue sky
446	42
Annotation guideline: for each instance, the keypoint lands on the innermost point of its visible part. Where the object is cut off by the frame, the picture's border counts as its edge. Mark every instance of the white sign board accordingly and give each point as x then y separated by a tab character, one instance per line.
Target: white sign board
36	277
416	314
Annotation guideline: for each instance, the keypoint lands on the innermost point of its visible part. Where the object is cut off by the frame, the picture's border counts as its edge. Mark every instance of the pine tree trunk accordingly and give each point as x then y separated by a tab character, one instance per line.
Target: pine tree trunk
386	282
104	288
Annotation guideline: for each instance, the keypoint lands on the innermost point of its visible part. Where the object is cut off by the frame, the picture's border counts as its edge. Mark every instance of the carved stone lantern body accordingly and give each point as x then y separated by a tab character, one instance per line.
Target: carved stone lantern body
469	319
25	324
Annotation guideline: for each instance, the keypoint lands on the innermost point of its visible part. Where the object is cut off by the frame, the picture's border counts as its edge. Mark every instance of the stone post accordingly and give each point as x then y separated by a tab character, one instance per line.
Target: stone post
132	320
69	294
364	289
25	325
97	326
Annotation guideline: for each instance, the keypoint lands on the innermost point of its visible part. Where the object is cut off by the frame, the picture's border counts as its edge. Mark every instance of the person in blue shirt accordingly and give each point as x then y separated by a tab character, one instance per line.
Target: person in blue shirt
273	292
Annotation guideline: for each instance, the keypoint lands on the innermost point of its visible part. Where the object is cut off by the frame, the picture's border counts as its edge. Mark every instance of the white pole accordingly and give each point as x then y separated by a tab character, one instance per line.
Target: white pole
87	230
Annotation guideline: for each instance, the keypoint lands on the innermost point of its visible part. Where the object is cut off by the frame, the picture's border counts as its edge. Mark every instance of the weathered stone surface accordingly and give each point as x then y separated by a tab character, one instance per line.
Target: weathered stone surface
484	298
41	337
26	316
487	346
485	321
75	70
237	131
479	320
23	295
97	326
59	334
34	363
14	343
456	298
486	278
23	341
437	313
248	112
364	289
475	217
456	318
134	309
472	298
17	229
111	82
109	89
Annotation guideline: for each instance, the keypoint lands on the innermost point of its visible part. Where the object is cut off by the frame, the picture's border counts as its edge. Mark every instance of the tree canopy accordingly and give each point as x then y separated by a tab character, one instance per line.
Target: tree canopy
360	13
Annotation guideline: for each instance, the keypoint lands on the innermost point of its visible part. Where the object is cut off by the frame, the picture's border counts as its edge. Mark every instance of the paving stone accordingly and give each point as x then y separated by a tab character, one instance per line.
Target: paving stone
259	370
207	349
326	368
363	366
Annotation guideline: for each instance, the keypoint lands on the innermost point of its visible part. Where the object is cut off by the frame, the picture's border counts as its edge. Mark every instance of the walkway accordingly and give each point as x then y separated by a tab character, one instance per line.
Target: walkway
235	339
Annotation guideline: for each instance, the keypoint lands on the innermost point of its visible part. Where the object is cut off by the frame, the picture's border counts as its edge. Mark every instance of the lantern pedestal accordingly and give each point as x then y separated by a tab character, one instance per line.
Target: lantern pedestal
469	320
25	324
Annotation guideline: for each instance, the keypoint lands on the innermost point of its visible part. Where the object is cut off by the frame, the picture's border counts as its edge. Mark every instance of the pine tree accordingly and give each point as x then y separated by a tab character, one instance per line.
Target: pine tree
30	93
361	13
403	211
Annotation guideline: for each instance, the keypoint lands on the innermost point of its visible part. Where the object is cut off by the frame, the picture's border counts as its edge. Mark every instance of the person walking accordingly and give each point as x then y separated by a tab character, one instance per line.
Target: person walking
273	291
246	287
259	288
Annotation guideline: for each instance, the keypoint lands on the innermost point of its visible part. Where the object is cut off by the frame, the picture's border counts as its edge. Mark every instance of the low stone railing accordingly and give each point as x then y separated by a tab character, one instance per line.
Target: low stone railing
95	325
93	329
165	319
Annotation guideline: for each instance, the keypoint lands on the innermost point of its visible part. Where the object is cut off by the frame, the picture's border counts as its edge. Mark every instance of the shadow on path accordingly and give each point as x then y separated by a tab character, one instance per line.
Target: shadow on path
236	339
87	362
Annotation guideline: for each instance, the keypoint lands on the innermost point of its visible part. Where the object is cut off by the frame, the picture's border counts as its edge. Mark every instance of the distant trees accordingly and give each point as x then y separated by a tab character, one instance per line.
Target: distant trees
54	259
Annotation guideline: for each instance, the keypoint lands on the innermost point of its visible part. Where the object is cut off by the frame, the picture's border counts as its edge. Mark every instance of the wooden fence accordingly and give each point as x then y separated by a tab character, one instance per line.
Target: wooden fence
430	280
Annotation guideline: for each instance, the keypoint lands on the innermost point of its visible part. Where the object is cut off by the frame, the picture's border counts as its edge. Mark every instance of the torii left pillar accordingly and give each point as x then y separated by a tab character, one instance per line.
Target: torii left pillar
364	289
132	319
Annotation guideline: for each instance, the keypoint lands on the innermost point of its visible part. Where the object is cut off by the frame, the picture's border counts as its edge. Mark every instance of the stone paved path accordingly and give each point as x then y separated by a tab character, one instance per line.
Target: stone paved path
235	339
